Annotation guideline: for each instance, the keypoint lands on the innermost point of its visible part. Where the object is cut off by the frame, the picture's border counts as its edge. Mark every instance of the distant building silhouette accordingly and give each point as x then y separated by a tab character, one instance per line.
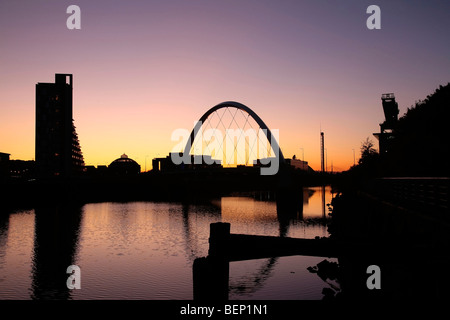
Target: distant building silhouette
124	166
298	164
57	150
4	166
196	162
386	135
22	169
15	169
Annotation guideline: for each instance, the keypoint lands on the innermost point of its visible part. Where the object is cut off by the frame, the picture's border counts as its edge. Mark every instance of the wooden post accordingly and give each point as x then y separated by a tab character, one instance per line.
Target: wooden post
211	274
219	236
210	279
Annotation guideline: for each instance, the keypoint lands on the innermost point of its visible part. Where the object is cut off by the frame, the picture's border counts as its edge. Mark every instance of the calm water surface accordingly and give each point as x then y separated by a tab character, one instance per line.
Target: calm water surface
145	250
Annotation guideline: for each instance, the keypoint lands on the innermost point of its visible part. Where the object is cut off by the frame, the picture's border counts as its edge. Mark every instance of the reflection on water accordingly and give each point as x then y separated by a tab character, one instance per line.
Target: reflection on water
279	278
56	231
145	250
16	251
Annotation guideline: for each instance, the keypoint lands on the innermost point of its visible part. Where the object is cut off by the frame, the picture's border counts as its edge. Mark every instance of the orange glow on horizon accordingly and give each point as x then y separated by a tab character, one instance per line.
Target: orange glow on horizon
144	132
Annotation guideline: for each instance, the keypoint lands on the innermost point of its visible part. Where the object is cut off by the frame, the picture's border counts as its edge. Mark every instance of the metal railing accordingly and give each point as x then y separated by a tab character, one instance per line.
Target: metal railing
421	194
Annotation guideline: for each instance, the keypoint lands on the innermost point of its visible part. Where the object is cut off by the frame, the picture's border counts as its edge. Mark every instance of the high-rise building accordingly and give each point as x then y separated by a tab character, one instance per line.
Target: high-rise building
57	150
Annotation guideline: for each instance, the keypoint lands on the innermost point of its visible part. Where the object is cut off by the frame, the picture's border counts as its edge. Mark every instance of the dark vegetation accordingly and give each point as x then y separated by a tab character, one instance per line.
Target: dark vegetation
421	146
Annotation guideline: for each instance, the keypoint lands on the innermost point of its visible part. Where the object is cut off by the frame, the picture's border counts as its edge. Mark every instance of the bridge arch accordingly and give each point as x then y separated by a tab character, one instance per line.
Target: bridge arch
273	142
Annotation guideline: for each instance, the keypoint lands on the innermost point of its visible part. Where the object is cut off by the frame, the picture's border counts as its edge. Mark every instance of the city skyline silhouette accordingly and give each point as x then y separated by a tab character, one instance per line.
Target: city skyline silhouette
145	70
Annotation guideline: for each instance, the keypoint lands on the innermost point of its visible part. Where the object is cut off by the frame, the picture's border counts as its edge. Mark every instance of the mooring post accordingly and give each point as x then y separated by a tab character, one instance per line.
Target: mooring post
219	236
211	274
210	279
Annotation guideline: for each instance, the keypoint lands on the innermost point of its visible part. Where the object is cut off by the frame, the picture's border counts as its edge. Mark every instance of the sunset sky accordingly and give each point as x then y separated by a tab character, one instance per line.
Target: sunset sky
142	69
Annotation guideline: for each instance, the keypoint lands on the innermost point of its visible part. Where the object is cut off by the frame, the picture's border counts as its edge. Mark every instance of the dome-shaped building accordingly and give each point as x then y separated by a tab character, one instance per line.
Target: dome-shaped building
124	166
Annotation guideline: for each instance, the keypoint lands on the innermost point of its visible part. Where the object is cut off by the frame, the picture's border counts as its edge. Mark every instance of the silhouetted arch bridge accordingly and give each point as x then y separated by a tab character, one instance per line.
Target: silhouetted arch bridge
250	113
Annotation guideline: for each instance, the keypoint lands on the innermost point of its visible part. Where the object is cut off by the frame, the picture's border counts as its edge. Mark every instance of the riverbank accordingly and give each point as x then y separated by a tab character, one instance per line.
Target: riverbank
170	186
409	244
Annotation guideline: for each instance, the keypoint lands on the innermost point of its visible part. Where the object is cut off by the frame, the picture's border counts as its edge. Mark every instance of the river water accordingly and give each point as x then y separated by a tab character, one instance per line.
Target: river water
145	250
